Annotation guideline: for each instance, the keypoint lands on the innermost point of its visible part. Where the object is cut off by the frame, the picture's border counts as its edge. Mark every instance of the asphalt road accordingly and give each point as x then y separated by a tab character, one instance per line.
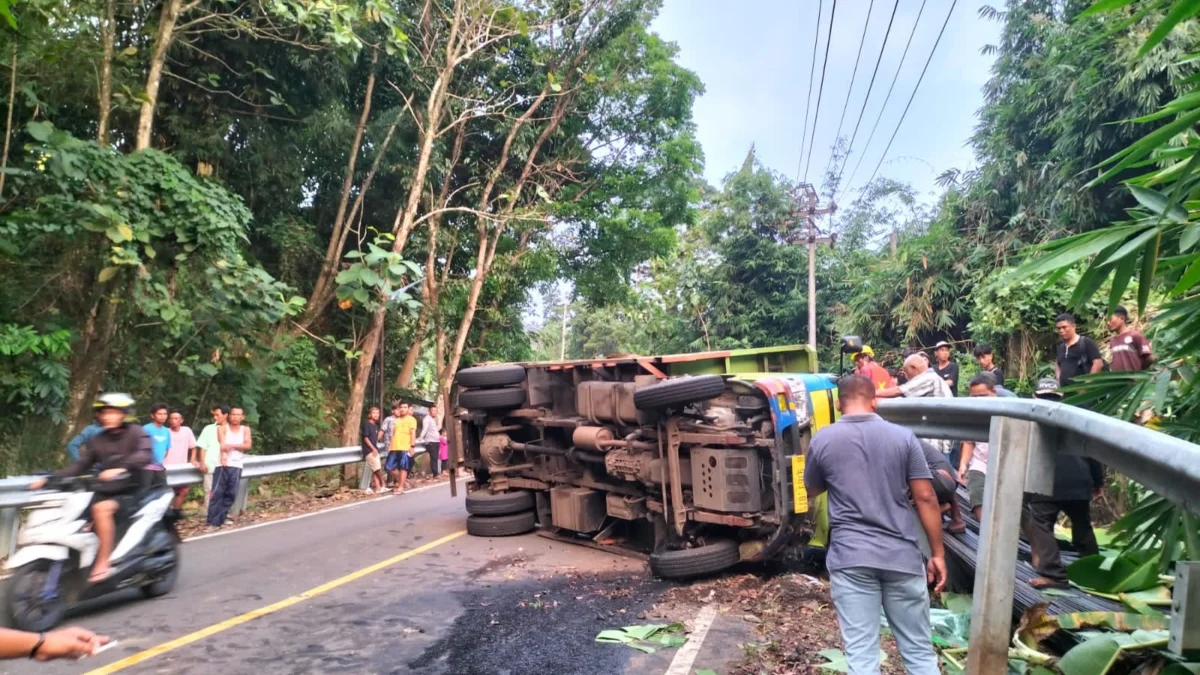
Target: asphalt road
391	585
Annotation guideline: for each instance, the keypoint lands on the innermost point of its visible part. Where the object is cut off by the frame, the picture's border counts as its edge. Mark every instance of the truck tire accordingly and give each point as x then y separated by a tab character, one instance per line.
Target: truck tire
677	392
490	376
502	504
500	526
492	399
695	562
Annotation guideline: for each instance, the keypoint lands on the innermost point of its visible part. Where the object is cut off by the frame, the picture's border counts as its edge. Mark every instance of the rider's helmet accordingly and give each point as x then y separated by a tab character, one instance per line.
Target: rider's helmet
114	400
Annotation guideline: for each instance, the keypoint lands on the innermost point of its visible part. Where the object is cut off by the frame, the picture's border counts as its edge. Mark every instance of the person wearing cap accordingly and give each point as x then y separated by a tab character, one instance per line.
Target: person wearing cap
1077	481
865	365
944	367
1130	349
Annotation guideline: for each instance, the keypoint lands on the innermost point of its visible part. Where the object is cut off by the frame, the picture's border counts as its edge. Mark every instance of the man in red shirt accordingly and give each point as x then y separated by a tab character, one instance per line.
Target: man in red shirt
1130	349
865	365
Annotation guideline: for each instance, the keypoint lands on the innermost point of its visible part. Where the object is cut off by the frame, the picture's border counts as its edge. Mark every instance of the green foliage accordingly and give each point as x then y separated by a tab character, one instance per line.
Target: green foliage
33	372
376	273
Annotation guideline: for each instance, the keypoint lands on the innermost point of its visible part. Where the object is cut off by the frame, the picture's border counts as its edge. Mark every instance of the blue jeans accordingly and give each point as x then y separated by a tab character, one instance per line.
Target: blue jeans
858	595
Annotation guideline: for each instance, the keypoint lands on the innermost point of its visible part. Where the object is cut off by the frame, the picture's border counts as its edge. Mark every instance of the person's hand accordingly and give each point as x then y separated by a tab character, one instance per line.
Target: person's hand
224	460
70	643
935	573
112	474
962	477
37	484
1097	492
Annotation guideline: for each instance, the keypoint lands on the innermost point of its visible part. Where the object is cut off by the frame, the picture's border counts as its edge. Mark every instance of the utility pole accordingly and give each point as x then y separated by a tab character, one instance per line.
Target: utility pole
807	232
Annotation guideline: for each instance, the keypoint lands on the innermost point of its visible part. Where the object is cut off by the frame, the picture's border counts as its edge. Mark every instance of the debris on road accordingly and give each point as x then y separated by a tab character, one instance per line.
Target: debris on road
642	637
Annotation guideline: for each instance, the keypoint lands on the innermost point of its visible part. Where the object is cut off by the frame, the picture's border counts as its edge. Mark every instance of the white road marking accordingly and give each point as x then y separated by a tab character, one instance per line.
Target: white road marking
686	656
360	502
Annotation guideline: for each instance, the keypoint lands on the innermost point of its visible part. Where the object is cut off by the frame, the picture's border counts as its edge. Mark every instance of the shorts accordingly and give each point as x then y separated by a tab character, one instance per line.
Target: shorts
975	482
943	487
399	460
373	461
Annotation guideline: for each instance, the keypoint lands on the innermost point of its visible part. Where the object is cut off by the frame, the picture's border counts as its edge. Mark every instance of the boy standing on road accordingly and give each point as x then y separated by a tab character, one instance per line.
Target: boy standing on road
182	451
210	448
160	436
370	437
404	437
235	441
869	467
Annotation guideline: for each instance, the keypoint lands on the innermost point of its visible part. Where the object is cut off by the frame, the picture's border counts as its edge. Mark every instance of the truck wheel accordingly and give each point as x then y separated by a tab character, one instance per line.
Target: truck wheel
503	504
695	562
492	399
677	392
500	526
491	376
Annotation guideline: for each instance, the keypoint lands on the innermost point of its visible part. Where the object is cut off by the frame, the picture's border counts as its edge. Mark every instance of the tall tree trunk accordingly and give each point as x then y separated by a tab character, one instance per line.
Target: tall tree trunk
108	32
322	289
429	289
91	355
12	95
358	387
158	58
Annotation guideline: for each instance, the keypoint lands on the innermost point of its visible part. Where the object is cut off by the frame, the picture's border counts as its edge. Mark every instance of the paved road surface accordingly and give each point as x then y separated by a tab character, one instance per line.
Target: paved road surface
392	585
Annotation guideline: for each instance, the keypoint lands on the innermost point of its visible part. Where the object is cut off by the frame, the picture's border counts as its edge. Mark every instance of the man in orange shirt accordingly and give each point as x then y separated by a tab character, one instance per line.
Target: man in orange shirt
865	365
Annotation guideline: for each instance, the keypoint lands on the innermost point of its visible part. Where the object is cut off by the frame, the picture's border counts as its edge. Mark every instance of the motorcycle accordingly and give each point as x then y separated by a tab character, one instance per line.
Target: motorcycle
57	547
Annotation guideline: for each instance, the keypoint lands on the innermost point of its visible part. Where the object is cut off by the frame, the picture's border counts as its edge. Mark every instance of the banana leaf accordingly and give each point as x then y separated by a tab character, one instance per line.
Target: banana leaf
1124	573
1120	621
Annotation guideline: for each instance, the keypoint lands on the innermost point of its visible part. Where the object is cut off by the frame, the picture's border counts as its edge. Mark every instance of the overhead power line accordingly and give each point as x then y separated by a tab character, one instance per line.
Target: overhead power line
821	89
850	90
887	97
870	86
915	89
812	70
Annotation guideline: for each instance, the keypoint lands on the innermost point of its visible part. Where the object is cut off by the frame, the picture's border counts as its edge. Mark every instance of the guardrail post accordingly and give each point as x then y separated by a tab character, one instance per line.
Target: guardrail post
1185	609
364	481
239	503
10	520
1010	441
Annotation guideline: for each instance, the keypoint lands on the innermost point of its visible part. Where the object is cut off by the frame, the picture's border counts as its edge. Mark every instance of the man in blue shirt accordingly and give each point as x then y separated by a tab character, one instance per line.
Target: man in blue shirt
84	436
160	435
869	467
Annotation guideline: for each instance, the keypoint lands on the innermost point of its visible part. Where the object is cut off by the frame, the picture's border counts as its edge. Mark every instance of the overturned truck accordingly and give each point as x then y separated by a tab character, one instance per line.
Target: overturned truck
694	459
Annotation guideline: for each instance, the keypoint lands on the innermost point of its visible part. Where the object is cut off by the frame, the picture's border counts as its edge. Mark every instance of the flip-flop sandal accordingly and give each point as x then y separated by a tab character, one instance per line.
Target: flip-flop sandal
1042	583
959	530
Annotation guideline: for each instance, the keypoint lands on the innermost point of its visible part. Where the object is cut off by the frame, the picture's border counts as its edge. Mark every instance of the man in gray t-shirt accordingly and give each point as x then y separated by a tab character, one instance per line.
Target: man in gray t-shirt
869	467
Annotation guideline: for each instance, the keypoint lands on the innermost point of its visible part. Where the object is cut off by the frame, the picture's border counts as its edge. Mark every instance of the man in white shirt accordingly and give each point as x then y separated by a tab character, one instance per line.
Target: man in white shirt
922	382
429	439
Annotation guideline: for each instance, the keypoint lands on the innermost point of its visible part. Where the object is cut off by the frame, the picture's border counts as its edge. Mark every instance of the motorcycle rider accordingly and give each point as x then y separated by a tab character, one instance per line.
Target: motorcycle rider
122	451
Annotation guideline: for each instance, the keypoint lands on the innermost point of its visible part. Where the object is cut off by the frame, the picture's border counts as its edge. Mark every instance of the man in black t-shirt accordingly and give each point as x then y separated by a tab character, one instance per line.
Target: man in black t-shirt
369	436
1077	354
987	364
944	367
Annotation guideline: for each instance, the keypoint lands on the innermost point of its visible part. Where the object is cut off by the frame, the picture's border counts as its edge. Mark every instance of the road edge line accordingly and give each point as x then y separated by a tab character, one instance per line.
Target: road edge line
686	656
196	636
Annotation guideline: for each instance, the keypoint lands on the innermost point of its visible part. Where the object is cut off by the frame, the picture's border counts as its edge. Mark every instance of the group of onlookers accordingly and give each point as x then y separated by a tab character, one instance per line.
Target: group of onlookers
876	474
403	436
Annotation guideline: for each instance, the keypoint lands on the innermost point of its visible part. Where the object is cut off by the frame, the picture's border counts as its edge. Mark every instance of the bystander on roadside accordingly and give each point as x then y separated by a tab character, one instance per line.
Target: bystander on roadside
972	465
987	363
427	440
400	448
1077	481
369	434
236	440
869	467
209	443
181	451
84	436
921	381
1077	354
945	367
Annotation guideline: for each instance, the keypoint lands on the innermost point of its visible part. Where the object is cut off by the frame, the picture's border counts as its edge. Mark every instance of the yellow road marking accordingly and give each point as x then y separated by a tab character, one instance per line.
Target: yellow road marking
225	625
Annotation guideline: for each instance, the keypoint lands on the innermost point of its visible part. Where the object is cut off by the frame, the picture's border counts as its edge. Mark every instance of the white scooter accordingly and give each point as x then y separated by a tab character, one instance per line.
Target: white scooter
57	548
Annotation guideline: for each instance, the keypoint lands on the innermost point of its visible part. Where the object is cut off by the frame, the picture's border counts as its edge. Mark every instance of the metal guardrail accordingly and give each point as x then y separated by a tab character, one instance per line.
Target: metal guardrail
1024	436
15	493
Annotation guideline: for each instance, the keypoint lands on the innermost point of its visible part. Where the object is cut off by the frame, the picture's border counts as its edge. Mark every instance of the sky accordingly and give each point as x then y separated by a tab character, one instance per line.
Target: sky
754	58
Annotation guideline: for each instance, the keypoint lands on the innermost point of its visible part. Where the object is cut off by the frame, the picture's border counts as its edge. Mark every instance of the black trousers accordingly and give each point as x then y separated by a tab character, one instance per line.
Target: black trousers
1041	517
224	493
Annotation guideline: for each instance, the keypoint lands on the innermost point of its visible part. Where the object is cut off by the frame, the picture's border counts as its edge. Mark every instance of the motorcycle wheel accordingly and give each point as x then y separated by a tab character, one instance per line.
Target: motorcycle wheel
167	581
26	607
